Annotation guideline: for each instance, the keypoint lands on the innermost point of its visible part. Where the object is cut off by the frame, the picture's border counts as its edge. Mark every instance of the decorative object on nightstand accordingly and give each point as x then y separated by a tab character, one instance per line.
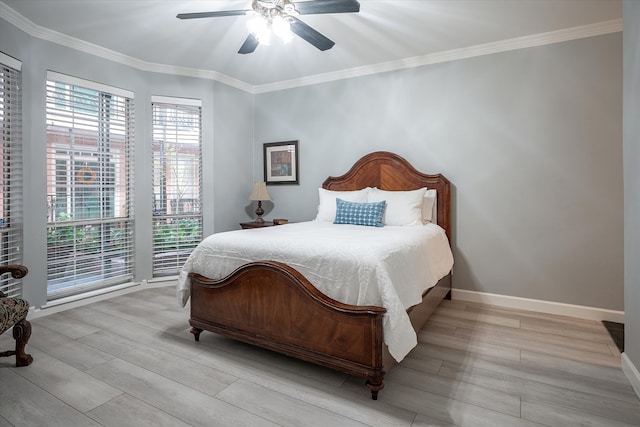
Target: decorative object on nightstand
259	194
253	224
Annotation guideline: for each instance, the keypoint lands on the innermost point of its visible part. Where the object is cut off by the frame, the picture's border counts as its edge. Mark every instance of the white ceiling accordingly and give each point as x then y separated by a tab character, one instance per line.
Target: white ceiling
385	33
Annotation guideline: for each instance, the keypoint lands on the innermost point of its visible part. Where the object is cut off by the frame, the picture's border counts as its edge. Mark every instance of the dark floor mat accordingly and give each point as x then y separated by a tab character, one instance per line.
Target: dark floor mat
616	330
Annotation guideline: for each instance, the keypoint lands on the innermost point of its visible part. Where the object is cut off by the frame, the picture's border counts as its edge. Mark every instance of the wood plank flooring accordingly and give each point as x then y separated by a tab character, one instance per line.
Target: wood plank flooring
131	361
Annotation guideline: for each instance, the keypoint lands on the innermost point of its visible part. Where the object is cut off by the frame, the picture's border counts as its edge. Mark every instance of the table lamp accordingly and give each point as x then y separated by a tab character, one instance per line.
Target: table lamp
259	193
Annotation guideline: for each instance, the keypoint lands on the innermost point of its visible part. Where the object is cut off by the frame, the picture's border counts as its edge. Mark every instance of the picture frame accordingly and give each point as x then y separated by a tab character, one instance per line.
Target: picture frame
281	163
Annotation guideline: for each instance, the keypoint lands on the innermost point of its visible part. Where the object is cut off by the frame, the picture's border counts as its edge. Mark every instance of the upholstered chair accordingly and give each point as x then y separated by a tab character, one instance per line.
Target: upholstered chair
13	312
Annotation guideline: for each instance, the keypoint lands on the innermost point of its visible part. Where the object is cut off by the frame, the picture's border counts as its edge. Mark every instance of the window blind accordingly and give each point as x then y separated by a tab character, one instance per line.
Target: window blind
177	160
11	214
89	165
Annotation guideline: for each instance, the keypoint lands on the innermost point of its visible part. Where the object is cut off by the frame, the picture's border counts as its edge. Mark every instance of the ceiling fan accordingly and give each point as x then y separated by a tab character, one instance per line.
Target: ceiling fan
281	18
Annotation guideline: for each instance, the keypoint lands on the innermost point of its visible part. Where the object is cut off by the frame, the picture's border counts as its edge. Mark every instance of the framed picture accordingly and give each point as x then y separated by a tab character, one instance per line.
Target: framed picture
281	163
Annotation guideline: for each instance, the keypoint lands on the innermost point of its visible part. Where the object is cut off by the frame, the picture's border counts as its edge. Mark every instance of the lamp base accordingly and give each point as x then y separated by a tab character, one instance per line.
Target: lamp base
259	212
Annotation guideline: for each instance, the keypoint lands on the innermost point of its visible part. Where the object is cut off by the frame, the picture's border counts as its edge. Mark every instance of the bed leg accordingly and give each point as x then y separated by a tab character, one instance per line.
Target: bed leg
375	385
196	333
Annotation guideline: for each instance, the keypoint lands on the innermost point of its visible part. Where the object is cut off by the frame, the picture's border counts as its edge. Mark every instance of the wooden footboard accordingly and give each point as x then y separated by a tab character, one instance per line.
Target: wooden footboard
272	305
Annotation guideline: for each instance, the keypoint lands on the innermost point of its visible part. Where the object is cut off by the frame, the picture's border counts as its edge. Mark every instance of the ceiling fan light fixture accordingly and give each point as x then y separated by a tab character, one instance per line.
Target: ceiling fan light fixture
289	9
260	27
282	28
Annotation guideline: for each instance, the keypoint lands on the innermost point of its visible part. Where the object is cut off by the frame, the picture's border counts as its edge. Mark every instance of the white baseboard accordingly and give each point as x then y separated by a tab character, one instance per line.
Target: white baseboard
159	282
549	307
75	301
631	373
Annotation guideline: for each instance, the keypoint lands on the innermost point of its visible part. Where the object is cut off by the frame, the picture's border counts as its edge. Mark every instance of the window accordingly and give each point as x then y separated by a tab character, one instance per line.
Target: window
177	217
10	171
89	164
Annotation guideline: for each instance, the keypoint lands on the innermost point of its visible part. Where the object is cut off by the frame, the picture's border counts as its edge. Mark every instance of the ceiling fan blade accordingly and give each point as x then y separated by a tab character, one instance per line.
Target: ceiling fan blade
327	6
309	34
249	45
211	14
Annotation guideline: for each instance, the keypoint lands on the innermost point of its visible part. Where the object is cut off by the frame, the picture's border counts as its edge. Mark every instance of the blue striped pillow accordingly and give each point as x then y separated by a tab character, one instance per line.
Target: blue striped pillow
369	214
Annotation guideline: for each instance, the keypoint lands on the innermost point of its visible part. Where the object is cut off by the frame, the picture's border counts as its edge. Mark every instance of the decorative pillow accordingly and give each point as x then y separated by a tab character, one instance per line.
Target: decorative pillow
327	205
403	207
369	214
429	207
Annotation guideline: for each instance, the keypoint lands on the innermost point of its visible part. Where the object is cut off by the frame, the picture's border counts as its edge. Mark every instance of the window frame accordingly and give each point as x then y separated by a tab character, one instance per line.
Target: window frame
177	221
90	234
11	180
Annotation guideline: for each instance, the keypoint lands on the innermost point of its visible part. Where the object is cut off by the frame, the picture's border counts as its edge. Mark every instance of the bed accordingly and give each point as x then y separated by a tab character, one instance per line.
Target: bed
274	304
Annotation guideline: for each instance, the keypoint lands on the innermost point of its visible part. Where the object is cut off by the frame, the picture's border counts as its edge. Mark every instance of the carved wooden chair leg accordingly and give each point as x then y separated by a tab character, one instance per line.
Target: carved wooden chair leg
22	333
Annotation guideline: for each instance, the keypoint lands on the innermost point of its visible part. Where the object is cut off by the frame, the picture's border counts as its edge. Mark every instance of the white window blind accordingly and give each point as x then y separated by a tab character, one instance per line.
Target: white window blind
89	165
11	173
177	160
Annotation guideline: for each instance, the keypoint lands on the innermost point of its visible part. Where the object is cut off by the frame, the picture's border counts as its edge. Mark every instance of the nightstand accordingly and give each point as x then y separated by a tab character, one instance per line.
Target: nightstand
254	224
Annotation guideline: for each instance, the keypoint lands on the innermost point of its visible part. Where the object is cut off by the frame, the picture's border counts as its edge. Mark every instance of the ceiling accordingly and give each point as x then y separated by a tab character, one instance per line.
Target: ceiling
385	33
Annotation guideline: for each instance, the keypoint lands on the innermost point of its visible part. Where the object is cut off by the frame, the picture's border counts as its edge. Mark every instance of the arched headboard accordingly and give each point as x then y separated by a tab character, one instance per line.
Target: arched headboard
390	172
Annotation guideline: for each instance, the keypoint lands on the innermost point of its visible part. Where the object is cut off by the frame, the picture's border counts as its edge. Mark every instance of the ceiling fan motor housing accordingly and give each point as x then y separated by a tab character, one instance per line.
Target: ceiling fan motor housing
270	9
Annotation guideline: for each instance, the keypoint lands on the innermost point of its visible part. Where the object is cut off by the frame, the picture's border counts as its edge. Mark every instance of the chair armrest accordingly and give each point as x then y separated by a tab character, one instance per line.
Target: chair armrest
17	271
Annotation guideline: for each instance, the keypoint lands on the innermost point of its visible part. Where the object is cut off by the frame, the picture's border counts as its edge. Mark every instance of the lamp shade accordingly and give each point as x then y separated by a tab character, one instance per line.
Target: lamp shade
259	192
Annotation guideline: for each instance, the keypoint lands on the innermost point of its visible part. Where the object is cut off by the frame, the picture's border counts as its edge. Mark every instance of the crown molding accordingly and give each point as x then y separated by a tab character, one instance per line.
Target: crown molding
43	33
584	31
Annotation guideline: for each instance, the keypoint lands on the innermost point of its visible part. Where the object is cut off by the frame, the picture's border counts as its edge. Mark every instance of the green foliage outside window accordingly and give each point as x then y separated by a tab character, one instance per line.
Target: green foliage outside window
182	234
83	238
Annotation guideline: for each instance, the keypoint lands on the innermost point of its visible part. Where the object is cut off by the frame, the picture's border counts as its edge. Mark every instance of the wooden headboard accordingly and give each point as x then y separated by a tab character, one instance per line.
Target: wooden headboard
390	172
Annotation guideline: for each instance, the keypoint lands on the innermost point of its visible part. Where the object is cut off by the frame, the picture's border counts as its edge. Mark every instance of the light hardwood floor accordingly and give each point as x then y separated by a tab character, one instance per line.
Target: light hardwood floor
131	361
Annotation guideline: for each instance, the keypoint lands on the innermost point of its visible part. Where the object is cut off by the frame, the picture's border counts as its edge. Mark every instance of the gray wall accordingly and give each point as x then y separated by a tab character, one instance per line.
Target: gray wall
632	180
227	144
531	139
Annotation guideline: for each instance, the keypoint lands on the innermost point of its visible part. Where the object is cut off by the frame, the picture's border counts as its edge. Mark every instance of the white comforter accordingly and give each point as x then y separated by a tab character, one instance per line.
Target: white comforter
389	266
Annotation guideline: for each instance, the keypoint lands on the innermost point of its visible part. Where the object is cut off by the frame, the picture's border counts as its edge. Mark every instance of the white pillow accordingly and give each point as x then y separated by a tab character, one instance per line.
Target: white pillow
429	207
327	205
403	207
